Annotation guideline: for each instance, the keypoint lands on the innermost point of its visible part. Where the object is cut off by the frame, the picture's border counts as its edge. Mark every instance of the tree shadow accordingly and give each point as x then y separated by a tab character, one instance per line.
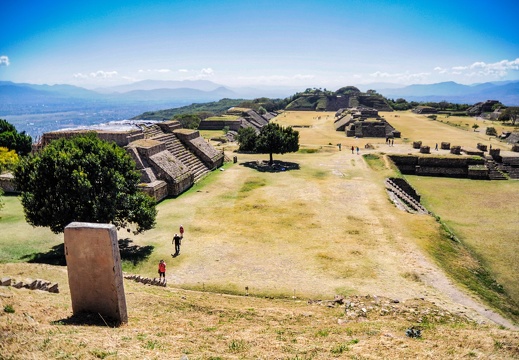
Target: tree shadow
277	166
56	255
134	253
89	319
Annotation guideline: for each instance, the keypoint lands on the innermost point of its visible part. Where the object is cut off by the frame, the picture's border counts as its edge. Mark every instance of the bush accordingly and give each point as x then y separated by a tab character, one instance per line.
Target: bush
491	131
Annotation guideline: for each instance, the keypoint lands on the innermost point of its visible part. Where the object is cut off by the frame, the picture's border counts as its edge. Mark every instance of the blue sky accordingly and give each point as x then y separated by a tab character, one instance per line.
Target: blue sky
302	43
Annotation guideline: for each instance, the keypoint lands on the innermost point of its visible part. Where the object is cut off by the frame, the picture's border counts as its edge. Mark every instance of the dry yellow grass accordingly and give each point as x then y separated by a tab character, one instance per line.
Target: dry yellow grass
485	217
170	323
324	229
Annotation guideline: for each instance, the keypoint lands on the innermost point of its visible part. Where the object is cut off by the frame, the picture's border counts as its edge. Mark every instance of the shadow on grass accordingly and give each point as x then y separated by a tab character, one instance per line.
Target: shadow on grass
277	166
56	255
87	318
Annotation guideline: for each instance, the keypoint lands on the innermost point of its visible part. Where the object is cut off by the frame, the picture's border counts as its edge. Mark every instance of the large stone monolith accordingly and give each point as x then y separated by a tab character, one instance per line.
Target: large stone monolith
94	270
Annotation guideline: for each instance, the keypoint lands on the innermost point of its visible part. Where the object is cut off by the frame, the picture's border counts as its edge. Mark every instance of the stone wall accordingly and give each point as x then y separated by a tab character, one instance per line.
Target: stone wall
121	138
234	125
366	128
7	183
435	166
405	186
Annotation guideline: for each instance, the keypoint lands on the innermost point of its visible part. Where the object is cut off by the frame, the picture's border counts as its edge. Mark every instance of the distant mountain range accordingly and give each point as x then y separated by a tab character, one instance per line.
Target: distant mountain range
506	92
156	91
40	108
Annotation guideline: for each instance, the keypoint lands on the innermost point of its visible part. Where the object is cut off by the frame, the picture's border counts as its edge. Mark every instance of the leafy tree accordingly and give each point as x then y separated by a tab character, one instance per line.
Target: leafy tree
188	121
83	179
274	139
510	113
491	131
475	126
8	159
443	105
247	139
13	140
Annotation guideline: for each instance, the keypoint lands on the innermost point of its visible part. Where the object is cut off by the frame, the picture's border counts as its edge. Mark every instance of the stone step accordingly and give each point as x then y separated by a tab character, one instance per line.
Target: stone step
408	200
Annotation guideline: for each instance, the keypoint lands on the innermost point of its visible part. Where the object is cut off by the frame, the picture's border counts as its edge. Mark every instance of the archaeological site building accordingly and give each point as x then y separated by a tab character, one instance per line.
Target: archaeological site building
169	158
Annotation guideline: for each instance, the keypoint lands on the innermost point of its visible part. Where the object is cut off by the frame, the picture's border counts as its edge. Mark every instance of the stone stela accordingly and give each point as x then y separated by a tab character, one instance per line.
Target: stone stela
94	270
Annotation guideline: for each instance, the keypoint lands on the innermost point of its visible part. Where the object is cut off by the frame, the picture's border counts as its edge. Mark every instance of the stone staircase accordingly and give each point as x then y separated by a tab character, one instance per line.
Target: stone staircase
151	131
175	146
494	172
409	203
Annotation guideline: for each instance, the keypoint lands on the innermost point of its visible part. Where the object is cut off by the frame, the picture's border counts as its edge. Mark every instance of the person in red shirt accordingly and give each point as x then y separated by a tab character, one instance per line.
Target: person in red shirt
162	270
181	231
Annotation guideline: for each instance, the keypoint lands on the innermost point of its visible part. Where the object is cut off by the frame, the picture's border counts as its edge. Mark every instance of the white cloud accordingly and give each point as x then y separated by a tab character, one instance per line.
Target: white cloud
100	74
4	60
207	72
183	70
273	79
80	76
482	69
162	71
401	77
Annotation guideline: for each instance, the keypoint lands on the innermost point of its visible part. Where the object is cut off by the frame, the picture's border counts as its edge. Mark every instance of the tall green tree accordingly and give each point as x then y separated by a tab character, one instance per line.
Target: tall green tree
83	179
247	139
275	139
188	121
511	113
13	140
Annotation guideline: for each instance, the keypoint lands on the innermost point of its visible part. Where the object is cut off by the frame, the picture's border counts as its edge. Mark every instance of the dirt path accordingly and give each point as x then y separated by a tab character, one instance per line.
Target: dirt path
325	229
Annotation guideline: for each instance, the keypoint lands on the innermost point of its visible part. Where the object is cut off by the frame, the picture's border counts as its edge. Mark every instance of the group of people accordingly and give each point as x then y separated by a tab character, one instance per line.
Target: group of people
353	150
177	241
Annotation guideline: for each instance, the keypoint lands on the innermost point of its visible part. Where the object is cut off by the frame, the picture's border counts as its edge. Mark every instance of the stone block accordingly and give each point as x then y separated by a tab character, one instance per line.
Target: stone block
54	289
425	149
456	150
445	145
6	281
94	270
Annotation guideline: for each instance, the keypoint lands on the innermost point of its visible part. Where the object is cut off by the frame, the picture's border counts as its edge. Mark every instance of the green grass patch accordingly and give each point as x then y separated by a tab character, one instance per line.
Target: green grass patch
464	266
375	161
222	118
252	184
308	151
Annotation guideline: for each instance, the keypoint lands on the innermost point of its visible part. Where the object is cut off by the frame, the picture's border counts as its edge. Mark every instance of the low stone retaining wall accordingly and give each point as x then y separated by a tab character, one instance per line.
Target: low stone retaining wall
146	281
436	166
30	284
219	125
7	183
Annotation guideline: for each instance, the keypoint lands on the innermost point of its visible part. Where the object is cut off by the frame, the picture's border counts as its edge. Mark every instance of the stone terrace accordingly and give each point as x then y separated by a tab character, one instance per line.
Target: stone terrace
169	158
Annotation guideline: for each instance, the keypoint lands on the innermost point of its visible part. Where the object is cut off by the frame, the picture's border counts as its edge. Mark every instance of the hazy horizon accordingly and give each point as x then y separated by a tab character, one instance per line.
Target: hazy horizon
302	43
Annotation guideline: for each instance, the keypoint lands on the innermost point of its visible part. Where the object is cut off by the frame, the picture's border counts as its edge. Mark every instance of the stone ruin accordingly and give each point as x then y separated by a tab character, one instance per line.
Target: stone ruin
146	281
404	196
94	270
424	110
30	284
169	158
356	123
247	118
479	163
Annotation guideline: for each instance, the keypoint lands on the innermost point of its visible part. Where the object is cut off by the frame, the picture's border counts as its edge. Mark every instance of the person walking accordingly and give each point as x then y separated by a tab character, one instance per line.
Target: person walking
352	149
176	241
181	230
162	270
357	150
